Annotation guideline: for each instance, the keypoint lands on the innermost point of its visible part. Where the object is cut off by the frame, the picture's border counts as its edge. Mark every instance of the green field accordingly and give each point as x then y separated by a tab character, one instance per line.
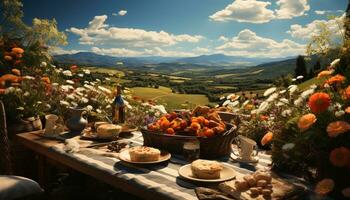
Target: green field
163	95
107	70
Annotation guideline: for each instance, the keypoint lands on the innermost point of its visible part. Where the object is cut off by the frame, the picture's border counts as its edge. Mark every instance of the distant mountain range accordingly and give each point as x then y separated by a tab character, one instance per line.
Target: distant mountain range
89	58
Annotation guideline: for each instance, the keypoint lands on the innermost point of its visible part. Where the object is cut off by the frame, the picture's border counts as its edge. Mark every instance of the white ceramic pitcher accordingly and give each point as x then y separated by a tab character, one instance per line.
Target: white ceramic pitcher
246	148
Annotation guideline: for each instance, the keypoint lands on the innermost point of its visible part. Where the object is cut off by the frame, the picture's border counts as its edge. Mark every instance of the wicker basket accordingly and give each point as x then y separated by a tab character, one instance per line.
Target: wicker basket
213	147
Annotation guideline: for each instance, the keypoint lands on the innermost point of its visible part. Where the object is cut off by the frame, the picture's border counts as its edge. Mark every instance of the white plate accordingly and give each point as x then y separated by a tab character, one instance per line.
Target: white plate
227	173
125	156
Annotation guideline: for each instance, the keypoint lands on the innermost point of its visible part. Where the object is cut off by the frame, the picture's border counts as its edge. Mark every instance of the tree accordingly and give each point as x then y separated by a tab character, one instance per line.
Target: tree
300	69
317	66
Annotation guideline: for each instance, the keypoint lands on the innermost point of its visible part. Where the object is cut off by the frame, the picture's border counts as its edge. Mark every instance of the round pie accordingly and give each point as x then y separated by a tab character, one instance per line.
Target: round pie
206	169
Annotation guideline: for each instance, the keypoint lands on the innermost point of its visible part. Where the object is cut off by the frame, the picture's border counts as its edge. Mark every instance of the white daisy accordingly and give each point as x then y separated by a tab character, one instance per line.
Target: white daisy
335	62
292	89
43	64
26	94
70	82
64	103
286	113
81	75
299	101
339	113
105	90
300	77
67	73
272	97
226	102
89	108
269	91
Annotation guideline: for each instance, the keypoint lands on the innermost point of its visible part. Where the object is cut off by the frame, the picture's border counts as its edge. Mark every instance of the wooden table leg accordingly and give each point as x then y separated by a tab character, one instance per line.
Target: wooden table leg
43	175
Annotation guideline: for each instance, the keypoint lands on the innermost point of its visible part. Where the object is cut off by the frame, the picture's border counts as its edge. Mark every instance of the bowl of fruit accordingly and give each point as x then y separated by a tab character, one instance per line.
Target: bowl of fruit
172	130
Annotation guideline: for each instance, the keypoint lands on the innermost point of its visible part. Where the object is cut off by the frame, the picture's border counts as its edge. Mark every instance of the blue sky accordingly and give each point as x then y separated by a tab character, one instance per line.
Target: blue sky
180	28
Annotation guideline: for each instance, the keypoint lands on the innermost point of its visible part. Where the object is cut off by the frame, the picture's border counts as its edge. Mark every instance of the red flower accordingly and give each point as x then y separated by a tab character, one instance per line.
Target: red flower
319	102
74	68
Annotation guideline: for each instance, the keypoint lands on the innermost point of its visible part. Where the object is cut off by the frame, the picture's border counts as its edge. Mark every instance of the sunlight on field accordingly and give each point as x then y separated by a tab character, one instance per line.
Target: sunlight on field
164	96
224	87
305	85
225	75
106	70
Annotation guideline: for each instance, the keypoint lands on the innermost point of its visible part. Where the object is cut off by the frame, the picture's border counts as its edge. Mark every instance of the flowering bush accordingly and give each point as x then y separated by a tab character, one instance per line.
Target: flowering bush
307	129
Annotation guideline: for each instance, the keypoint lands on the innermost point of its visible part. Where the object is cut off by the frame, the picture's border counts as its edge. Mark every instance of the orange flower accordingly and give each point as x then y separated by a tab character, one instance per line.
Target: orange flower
336	79
249	107
347	110
336	128
347	92
306	121
8	58
2	91
264	117
9	77
46	79
16	72
324	187
340	157
319	102
17	50
267	138
324	73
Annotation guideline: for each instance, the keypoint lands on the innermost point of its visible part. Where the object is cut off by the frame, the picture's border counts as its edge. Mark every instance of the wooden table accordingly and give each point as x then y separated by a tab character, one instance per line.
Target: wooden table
41	146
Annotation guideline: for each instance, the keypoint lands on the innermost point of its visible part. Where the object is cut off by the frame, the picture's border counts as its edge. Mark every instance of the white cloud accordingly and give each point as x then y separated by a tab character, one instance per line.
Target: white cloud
99	33
201	50
59	51
223	38
116	52
122	12
252	11
248	43
306	32
123	52
323	12
291	8
320	12
256	11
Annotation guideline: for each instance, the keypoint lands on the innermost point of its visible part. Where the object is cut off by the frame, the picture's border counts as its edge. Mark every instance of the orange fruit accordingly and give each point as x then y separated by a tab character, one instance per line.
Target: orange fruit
195	126
170	131
209	132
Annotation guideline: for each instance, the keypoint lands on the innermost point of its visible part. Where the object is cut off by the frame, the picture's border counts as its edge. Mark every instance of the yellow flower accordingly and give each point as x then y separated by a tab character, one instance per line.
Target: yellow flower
306	121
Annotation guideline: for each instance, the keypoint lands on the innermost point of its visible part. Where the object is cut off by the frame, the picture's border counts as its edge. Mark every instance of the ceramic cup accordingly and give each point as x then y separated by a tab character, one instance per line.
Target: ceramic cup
50	124
246	148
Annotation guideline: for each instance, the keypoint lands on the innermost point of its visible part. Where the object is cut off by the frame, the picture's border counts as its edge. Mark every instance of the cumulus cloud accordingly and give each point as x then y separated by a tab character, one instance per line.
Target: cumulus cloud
323	12
256	11
223	38
291	8
252	11
122	12
201	50
309	30
59	51
100	33
157	51
248	43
